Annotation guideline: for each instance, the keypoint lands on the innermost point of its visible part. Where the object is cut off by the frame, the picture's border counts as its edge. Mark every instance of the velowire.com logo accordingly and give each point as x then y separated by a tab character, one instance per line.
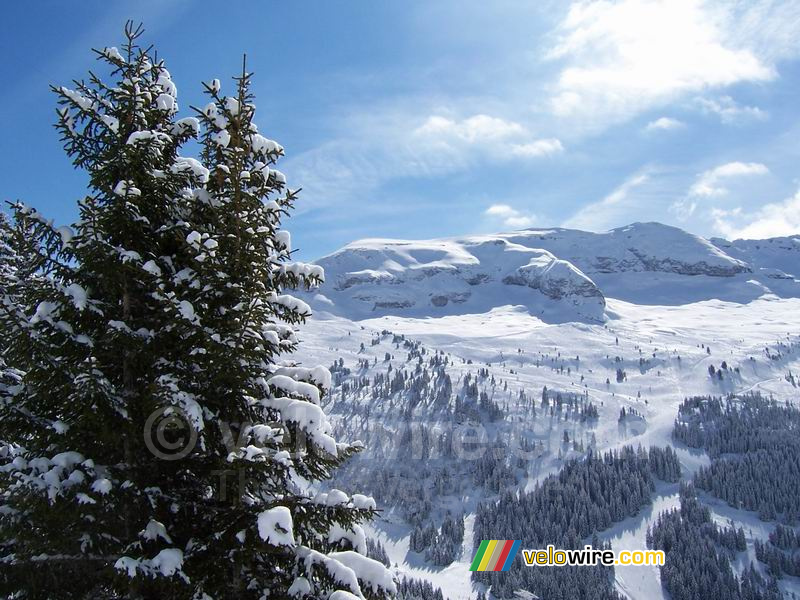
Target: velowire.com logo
495	555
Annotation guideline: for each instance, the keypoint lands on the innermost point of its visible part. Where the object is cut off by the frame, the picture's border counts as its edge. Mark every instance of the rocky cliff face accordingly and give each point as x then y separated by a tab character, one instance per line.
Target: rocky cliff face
636	248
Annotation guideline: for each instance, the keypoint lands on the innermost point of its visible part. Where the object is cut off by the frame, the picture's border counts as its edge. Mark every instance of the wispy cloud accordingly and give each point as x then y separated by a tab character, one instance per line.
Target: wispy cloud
477	128
607	212
664	124
710	183
771	220
536	148
380	147
730	111
510	216
502	138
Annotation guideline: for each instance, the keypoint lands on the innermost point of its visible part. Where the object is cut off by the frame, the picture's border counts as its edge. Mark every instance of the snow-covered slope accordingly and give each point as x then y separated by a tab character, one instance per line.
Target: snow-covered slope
558	275
650	247
665	352
470	275
776	261
429	340
780	253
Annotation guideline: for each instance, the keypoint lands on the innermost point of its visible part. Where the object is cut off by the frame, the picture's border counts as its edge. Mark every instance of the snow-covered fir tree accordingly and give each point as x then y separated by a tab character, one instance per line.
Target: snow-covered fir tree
155	443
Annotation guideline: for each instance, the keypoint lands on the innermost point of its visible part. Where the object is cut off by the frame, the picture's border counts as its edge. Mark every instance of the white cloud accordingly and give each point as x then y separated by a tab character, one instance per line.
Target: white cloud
620	58
499	137
683	208
709	183
664	124
612	210
383	145
510	217
543	147
771	220
477	128
730	111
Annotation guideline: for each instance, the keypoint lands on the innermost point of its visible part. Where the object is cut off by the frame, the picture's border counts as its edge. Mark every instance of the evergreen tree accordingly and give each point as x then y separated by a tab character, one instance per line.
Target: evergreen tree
157	445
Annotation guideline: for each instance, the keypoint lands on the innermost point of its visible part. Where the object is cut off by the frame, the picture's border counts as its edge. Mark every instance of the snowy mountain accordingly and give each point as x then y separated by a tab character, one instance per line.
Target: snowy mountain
557	274
776	261
552	345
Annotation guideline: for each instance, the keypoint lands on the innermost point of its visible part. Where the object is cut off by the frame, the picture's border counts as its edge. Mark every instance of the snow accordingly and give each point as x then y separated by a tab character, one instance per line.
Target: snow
295	388
275	526
78	295
187	124
127	564
335	497
363	502
126	188
641	581
221	138
675	311
113	54
370	572
343	595
190	165
319	375
355	537
309	417
657	304
151	267
166	102
284	238
111	122
559	275
300	587
302	270
119	325
340	573
66	234
154	531
137	137
102	486
81	101
167	85
263	146
193	239
168	562
186	309
293	303
129	255
232	105
44	311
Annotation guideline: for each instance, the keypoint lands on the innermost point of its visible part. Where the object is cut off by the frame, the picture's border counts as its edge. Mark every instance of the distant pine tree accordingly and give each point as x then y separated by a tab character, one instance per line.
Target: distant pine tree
152	443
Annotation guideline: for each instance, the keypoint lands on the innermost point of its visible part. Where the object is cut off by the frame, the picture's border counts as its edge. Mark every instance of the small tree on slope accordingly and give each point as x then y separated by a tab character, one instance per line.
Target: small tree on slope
155	446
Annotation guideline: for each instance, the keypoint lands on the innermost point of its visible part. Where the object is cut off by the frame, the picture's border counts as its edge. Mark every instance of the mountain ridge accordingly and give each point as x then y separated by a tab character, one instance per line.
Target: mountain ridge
557	274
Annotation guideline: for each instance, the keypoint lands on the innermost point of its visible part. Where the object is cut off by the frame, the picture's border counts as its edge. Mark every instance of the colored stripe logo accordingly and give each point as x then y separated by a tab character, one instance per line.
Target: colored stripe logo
495	555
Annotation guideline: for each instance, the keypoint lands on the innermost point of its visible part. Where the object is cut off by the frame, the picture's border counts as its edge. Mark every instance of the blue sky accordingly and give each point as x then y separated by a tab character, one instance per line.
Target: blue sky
421	119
